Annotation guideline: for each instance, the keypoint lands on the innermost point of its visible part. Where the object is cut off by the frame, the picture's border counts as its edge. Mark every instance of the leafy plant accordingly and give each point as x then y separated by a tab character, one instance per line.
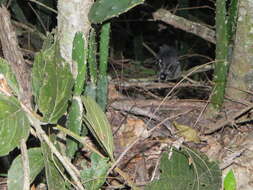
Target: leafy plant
230	181
15	173
93	177
52	84
104	9
14	124
187	169
74	122
102	82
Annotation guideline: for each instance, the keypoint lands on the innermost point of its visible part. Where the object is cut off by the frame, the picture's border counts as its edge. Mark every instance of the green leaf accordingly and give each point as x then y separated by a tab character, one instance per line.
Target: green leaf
14	124
102	10
230	181
92	61
52	84
18	12
187	170
98	124
102	91
91	90
53	167
15	174
74	123
79	56
9	76
94	177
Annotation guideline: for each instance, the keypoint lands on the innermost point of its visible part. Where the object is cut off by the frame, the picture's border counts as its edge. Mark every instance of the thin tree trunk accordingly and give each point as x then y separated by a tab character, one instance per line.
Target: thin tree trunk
241	70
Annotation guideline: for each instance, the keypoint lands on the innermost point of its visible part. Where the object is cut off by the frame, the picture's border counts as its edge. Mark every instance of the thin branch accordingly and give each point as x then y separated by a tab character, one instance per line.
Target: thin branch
25	162
45	6
14	56
186	25
222	123
73	172
67	164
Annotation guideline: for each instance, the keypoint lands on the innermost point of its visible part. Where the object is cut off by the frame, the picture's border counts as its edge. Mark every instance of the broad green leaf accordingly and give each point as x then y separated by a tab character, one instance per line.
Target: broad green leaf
9	76
15	174
53	167
52	84
187	170
14	124
94	177
74	123
230	181
102	10
98	124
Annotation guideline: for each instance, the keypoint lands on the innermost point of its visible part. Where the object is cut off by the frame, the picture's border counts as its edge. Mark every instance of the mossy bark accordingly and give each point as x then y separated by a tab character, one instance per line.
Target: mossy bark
240	77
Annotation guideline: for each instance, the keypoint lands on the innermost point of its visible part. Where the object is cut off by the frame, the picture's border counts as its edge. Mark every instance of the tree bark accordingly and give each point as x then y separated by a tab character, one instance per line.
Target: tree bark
240	78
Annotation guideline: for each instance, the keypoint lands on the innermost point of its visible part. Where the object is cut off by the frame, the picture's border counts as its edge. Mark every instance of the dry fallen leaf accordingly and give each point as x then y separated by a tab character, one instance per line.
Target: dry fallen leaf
187	132
132	129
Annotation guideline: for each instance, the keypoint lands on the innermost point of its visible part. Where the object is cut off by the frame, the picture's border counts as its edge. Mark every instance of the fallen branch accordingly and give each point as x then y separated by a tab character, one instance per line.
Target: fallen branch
186	25
231	119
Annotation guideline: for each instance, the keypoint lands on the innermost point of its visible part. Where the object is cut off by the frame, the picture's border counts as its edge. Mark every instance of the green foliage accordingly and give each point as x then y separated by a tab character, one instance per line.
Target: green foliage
187	170
230	181
98	124
14	124
232	19
52	83
102	84
102	10
15	174
53	168
92	56
74	122
93	177
104	49
102	91
18	12
79	56
92	62
6	71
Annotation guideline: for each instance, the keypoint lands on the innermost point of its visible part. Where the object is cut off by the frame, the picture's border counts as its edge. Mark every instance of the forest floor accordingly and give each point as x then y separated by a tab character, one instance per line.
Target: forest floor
148	116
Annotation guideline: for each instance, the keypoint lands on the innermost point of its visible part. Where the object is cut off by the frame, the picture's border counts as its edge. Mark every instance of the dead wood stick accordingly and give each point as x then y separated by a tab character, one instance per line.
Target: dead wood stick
222	123
186	25
14	56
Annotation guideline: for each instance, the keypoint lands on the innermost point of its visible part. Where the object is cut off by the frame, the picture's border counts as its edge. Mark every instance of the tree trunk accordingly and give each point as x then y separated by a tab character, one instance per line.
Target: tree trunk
240	77
72	18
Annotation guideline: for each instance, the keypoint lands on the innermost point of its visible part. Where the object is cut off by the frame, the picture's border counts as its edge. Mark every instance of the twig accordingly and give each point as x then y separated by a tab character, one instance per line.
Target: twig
25	162
14	56
169	93
221	123
68	166
73	172
45	6
38	17
80	139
